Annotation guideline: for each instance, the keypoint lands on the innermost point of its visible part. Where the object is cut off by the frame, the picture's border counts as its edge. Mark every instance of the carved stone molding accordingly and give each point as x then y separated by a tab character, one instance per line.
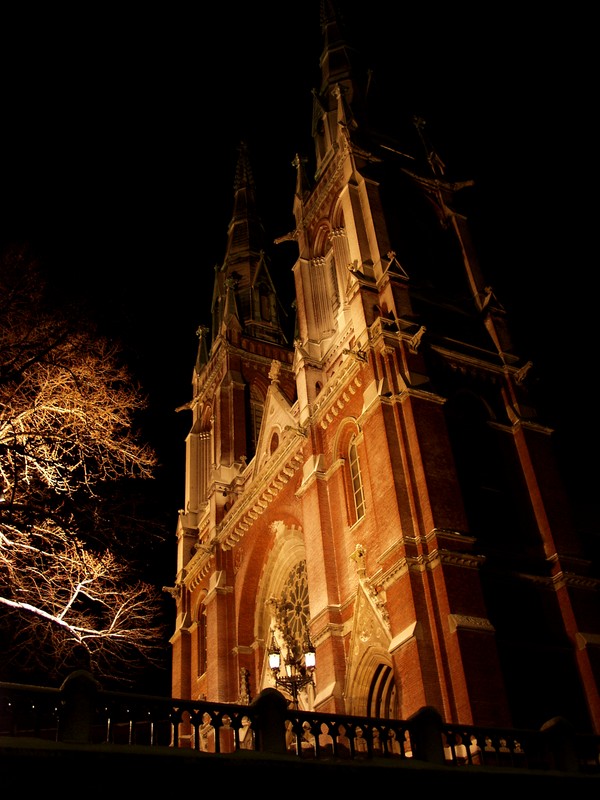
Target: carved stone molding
469	623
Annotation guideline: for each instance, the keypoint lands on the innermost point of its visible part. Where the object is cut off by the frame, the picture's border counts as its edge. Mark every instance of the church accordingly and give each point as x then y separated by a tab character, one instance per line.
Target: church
374	520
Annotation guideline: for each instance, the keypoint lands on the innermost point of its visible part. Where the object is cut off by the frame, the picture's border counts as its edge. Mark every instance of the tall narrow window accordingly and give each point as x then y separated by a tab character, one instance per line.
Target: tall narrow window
382	699
201	641
335	296
265	302
357	487
256	413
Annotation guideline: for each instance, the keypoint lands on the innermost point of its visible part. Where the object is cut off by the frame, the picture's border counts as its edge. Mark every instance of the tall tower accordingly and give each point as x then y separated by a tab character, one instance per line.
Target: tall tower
382	483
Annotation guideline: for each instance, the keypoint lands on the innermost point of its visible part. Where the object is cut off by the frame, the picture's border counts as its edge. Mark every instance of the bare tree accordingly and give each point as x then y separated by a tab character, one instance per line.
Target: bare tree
68	409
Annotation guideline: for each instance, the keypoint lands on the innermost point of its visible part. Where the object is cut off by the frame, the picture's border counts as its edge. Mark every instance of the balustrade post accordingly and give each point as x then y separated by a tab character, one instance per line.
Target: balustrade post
560	742
269	713
425	729
78	695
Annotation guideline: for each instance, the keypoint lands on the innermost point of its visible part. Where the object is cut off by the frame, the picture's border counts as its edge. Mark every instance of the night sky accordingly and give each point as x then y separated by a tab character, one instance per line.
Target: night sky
119	138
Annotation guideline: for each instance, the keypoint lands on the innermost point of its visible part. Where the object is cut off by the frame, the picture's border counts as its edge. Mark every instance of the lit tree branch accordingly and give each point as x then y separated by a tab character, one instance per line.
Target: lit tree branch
67	432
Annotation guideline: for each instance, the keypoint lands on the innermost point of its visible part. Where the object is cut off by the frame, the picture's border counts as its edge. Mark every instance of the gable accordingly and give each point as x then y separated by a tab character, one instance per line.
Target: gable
278	422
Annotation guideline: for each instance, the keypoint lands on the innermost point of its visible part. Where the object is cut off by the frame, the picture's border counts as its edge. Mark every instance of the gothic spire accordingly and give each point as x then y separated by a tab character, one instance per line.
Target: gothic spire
341	100
244	298
335	58
246	235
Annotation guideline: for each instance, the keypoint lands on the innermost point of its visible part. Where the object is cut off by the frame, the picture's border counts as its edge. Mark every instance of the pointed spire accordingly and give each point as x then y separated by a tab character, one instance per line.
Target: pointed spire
246	235
231	318
302	182
244	297
243	173
202	355
340	104
335	58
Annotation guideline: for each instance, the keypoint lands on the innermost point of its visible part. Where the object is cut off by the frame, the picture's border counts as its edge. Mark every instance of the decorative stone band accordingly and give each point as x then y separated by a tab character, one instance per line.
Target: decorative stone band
471	623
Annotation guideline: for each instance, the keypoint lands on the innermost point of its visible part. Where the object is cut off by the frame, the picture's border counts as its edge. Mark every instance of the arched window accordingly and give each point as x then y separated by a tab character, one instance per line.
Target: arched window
357	485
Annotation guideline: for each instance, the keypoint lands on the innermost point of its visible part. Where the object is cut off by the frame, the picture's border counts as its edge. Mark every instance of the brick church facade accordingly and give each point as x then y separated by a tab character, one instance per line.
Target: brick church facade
378	479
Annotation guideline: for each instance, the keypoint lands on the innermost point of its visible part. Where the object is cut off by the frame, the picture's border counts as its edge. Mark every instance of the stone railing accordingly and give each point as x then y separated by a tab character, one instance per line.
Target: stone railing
81	712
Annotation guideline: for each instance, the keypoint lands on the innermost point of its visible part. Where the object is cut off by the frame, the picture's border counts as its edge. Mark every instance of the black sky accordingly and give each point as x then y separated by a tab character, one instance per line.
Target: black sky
118	146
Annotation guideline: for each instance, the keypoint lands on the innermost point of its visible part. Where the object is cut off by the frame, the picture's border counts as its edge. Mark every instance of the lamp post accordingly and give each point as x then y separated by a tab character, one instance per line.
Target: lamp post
298	670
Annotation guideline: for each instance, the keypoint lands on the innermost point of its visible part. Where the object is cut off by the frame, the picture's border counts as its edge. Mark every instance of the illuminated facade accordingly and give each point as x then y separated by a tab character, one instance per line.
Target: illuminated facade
379	479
